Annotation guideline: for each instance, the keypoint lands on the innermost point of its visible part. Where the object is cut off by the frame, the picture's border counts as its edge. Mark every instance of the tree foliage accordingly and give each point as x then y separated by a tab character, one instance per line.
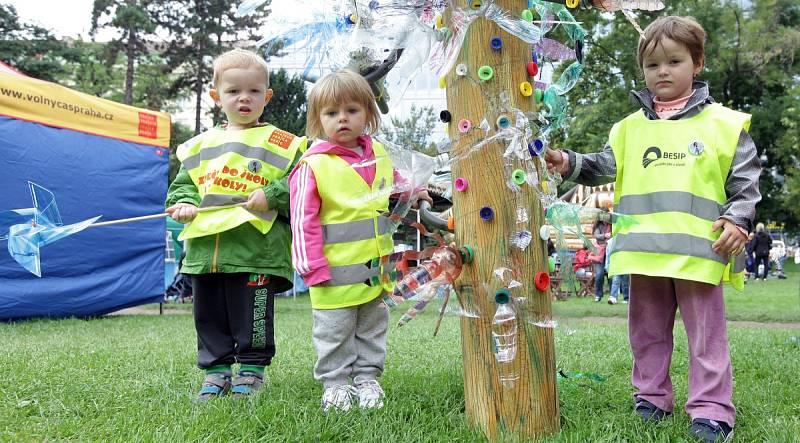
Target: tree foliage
413	132
134	20
33	49
287	109
198	37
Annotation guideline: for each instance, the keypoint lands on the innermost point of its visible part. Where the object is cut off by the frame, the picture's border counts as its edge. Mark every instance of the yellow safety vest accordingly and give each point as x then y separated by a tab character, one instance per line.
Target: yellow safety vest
671	175
226	166
355	234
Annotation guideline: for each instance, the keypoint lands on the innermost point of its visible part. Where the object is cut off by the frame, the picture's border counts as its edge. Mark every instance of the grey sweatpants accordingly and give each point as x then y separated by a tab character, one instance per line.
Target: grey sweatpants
350	343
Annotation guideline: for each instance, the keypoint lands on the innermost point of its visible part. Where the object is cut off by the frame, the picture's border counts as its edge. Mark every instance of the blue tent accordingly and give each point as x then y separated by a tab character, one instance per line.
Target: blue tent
98	158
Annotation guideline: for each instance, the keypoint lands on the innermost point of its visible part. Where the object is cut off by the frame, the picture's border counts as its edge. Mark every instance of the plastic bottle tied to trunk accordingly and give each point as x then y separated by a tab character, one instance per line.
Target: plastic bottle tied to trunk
447	261
504	337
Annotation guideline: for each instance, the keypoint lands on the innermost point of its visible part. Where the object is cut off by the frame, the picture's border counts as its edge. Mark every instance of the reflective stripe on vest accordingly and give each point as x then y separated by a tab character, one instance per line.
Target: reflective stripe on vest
670	201
354	232
671	176
358	273
245	151
681	244
226	166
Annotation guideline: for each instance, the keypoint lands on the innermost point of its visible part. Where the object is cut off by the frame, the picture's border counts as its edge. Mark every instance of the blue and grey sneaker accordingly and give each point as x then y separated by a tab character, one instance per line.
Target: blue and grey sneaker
246	383
710	431
214	385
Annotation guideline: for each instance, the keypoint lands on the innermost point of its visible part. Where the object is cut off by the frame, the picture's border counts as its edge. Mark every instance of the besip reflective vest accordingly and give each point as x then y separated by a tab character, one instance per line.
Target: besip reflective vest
355	234
671	176
226	166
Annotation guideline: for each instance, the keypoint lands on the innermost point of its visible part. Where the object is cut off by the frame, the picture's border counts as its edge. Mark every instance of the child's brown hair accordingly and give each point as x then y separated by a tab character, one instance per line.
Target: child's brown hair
336	88
684	30
238	58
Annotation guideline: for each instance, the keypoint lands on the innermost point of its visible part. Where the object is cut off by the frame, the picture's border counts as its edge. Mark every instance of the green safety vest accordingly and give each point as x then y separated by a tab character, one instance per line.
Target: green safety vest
671	176
226	166
355	234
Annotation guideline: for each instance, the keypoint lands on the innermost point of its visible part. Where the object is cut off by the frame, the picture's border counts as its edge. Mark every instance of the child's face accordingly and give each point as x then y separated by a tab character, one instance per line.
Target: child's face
343	123
669	70
242	94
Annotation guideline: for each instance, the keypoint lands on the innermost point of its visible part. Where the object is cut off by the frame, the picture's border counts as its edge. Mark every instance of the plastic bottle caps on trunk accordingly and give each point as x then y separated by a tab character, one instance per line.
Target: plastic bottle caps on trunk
518	176
527	15
485	72
533	68
526	89
503	122
542	281
486	213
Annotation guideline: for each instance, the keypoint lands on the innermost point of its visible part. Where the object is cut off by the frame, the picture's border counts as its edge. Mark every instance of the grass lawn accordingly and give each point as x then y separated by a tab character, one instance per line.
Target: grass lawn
132	378
773	300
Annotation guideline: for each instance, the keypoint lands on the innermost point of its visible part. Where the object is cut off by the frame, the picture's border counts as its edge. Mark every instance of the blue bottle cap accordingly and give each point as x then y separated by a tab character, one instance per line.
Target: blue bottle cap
486	213
496	43
535	148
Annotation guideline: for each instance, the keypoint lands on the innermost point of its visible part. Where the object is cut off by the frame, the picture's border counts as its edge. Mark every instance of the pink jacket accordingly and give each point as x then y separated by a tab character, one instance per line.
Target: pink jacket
305	202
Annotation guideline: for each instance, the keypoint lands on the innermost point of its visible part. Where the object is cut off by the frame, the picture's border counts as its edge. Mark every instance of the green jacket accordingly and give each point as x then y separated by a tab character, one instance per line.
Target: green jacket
243	248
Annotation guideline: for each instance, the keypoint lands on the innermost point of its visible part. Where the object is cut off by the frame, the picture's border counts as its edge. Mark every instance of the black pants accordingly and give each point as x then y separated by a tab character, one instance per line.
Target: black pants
233	316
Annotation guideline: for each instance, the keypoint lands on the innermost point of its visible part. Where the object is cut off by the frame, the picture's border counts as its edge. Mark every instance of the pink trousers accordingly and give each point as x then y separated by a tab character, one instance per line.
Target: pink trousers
651	316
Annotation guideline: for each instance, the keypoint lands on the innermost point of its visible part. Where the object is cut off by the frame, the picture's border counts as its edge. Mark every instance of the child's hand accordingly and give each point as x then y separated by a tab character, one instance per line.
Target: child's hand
257	201
182	212
422	195
555	161
732	239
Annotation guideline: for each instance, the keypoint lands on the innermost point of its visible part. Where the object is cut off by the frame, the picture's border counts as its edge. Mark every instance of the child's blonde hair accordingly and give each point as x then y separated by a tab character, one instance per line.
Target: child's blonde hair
337	88
238	58
684	30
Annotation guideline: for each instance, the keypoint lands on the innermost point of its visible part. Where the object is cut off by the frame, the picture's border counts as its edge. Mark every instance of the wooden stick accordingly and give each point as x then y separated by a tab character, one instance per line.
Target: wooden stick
162	215
441	312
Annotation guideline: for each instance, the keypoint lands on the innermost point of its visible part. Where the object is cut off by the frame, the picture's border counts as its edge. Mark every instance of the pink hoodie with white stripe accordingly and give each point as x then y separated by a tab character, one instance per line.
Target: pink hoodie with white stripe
305	203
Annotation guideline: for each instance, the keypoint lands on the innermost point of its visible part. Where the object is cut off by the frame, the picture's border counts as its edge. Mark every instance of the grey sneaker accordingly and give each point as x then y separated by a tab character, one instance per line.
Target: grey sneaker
370	395
649	412
338	397
214	385
710	431
246	383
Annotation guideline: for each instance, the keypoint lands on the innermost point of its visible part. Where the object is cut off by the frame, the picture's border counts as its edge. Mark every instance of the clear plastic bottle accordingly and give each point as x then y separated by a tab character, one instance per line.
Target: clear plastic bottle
504	336
447	260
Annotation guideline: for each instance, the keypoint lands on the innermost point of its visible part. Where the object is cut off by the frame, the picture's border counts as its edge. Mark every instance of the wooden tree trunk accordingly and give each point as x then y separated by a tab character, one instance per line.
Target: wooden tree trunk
530	408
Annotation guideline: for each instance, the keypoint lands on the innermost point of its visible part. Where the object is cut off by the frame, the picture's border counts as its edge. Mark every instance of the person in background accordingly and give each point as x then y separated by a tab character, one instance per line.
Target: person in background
761	248
619	283
750	259
601	232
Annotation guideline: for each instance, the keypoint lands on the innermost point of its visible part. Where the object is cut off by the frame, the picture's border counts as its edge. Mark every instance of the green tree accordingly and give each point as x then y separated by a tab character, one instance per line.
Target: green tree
135	24
33	49
287	109
412	132
196	38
